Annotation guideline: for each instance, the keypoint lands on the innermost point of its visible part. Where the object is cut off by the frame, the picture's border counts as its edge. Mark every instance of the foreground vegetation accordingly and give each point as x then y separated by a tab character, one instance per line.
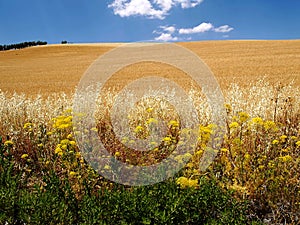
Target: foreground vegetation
254	178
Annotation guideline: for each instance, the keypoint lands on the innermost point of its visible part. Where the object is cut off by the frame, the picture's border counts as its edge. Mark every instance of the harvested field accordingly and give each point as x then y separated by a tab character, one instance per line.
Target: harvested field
58	68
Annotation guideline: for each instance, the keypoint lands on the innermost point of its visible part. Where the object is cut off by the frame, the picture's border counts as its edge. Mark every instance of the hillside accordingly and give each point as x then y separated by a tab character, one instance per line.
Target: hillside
56	68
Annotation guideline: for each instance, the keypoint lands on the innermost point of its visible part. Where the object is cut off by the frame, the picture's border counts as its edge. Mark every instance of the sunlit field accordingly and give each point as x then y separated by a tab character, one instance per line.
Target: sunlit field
254	178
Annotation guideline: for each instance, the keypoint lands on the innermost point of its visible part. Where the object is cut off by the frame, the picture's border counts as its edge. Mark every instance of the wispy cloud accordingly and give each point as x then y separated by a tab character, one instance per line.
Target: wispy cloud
167	29
152	9
223	29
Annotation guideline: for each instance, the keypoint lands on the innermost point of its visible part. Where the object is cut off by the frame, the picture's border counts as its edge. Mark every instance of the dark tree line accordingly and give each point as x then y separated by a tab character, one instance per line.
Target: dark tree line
22	45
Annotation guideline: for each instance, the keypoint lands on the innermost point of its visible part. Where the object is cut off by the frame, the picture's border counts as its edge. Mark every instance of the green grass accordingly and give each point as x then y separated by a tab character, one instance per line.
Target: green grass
162	203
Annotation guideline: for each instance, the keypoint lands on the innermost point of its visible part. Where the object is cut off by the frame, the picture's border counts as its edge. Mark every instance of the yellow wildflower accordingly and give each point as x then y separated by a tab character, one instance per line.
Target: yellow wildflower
206	129
68	119
27	125
156	150
40	145
124	140
152	121
73	143
149	110
62	122
8	143
286	158
261	167
233	125
167	139
228	108
77	155
189	165
199	153
270	125
243	117
224	150
271	164
64	141
187	183
275	142
117	154
247	156
173	123
64	147
257	120
72	173
239	188
94	129
138	129
107	167
58	150
24	156
283	137
298	143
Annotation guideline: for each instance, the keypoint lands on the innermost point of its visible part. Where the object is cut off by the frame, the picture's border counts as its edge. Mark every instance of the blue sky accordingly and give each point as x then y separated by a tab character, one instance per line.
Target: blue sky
91	21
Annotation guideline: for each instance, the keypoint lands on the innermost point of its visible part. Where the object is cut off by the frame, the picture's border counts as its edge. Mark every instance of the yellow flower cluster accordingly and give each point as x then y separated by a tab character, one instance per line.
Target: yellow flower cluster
286	158
236	187
205	132
64	145
270	125
64	121
243	117
233	125
257	121
184	182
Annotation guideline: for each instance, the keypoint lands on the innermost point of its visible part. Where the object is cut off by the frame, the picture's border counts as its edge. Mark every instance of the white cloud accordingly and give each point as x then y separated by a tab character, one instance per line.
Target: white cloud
166	37
223	29
189	3
153	9
201	28
168	29
171	33
124	8
165	33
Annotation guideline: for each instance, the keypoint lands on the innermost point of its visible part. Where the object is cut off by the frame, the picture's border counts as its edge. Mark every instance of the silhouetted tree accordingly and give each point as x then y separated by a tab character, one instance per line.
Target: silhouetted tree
22	45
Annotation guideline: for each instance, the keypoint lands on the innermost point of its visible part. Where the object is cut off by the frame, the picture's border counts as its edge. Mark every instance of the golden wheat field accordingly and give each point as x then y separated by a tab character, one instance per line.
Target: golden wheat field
44	132
57	68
